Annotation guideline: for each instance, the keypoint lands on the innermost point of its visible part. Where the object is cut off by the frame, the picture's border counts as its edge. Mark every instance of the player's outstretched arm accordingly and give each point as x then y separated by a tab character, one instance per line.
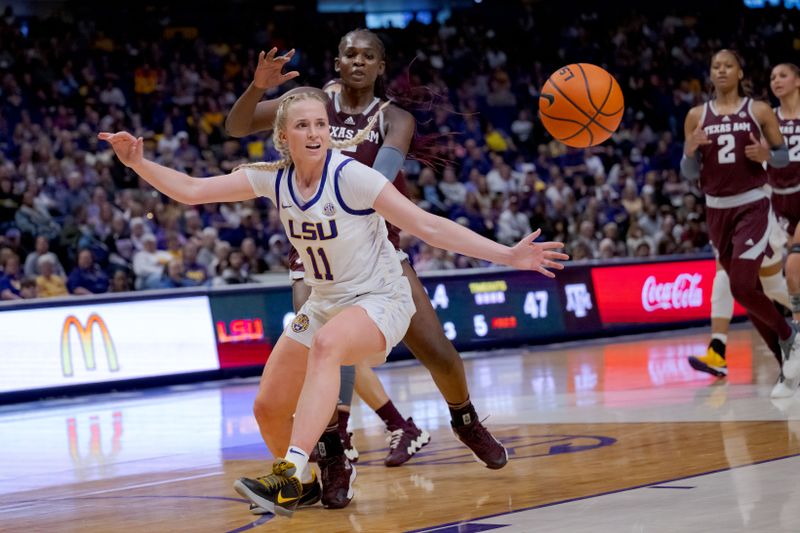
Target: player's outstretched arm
249	114
233	187
443	233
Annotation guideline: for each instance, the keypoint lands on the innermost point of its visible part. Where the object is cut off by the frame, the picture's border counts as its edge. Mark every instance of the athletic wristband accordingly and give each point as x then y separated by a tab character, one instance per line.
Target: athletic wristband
778	156
690	167
388	162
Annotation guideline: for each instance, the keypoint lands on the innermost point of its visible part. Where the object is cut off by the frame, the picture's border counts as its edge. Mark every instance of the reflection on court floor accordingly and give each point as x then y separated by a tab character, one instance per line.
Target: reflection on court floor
603	436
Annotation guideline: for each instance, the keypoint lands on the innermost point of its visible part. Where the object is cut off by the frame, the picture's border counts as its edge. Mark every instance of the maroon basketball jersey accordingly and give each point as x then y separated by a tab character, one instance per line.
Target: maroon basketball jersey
345	126
788	176
726	171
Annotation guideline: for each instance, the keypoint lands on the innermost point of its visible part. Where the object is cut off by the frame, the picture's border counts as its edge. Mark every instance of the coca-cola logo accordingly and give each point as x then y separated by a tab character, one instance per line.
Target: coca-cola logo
684	292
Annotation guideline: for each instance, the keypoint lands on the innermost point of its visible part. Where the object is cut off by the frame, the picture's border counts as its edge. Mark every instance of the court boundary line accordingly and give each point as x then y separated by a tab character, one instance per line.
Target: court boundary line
433	529
24	504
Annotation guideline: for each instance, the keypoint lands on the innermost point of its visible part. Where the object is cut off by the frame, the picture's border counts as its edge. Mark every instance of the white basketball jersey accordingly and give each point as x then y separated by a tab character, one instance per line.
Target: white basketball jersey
341	240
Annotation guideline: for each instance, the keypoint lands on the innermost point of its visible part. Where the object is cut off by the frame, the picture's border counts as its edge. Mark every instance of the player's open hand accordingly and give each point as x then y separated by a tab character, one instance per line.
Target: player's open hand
128	148
757	150
539	256
268	71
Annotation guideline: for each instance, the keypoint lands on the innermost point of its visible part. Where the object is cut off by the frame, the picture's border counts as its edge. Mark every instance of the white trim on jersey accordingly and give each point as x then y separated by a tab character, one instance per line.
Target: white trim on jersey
739	109
382	124
338	107
753	118
375	101
738	200
758	248
784	192
703	115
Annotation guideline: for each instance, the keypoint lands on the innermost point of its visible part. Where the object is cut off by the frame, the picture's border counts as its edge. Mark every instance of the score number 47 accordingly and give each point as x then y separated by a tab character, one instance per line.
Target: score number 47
536	304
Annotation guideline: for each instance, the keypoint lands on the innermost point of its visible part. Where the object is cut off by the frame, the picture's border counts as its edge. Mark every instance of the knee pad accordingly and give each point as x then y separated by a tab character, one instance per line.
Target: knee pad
721	296
775	288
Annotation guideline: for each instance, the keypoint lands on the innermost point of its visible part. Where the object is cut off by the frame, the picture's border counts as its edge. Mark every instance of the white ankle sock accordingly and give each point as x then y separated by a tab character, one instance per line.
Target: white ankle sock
721	336
300	460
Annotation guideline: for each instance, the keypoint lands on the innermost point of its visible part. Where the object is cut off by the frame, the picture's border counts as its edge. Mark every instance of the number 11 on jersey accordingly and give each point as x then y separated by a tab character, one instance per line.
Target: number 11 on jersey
324	260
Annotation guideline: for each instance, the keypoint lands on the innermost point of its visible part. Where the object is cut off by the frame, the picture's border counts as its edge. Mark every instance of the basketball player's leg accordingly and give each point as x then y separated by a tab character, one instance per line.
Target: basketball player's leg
748	291
793	274
278	393
744	262
405	438
274	407
786	388
771	272
334	443
714	362
349	337
426	340
300	294
366	383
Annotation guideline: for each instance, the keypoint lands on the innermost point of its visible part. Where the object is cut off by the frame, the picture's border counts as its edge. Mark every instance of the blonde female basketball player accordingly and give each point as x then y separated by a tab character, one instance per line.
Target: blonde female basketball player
723	148
354	98
333	210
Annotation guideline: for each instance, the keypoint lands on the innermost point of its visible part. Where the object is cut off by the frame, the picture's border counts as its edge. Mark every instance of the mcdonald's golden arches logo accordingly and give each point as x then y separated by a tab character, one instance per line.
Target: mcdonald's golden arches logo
86	336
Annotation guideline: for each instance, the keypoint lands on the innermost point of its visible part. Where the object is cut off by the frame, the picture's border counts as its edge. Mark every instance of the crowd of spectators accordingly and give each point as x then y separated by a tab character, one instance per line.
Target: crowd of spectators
74	221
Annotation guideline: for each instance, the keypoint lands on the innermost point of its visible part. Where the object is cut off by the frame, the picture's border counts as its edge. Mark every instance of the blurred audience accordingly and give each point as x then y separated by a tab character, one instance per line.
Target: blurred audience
68	205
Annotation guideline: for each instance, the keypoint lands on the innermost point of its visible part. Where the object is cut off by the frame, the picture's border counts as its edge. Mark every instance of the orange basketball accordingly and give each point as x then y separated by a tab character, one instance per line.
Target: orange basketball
581	105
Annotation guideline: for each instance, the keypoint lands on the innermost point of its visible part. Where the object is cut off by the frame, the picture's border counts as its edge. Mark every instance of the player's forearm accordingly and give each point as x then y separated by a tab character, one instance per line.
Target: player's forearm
690	166
174	184
443	233
239	121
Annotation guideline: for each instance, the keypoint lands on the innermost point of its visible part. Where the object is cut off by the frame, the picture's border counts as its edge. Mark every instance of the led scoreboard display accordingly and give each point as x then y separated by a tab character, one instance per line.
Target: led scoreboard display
99	340
495	306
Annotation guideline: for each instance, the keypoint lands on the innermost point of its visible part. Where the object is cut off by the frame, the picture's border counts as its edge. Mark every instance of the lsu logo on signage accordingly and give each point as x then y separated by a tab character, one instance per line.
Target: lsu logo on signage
86	336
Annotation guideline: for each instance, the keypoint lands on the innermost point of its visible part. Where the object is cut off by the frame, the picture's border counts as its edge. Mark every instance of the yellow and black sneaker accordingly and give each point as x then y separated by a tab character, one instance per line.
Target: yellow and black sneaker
713	362
312	493
281	492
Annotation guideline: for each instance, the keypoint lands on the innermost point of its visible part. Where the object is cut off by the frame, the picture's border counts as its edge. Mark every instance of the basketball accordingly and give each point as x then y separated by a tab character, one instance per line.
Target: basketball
581	105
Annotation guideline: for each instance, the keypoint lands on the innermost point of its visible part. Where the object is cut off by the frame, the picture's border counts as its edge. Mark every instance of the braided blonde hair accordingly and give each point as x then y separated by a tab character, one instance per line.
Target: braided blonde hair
280	125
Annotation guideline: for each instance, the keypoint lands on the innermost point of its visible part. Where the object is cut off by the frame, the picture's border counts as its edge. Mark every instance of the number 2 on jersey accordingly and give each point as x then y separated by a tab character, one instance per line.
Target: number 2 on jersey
794	147
726	154
324	260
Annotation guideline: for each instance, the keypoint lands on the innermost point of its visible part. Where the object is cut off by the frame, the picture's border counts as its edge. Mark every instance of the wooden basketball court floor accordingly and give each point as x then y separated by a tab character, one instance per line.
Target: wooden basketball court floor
614	435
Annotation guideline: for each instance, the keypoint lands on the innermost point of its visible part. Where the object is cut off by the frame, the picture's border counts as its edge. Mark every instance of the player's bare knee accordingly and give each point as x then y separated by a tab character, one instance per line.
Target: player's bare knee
324	347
